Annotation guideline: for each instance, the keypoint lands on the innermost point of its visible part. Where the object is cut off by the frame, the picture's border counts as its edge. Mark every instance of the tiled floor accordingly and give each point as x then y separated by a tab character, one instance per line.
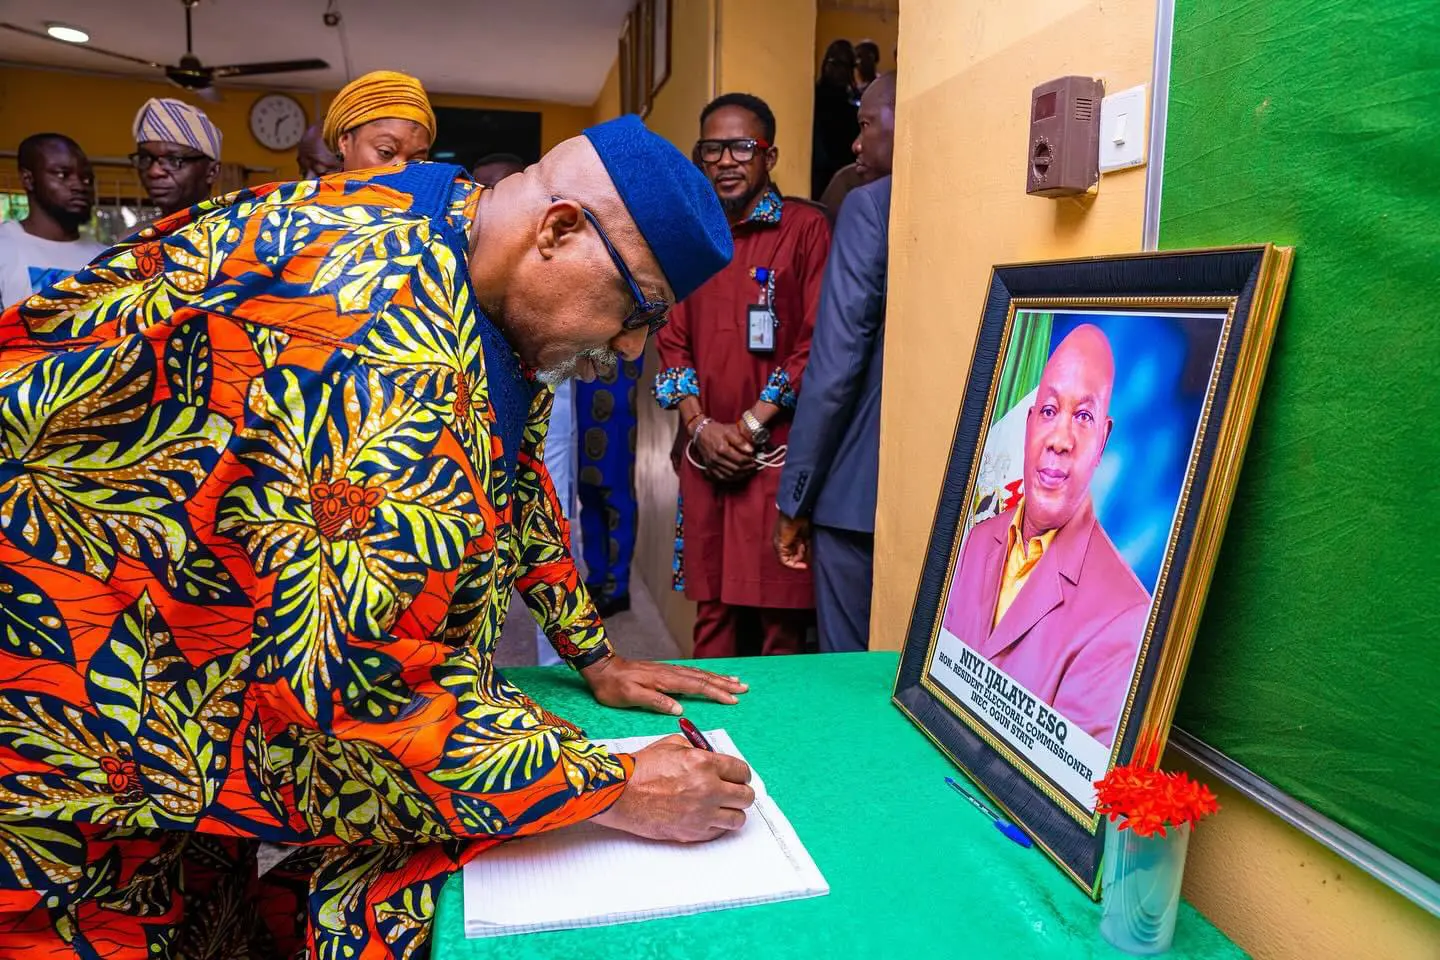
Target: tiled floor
639	632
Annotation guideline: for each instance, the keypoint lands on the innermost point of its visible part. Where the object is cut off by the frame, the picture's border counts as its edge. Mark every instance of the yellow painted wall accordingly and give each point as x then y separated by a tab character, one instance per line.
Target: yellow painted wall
960	203
607	102
674	115
1280	894
763	61
855	25
558	121
97	111
715	48
959	207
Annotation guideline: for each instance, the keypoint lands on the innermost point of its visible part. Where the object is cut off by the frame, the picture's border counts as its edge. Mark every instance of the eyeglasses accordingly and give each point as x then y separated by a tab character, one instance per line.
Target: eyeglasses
652	314
743	150
172	162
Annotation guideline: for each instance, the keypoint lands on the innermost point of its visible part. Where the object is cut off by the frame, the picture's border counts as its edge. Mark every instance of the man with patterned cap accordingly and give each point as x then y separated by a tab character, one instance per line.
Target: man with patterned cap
177	152
281	467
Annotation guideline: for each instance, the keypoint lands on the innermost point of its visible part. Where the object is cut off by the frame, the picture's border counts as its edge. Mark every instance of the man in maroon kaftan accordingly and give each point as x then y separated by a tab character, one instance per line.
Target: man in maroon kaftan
731	362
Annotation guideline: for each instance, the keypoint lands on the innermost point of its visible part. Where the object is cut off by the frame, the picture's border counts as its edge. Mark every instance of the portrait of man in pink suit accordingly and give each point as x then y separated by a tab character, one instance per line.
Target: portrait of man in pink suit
1040	590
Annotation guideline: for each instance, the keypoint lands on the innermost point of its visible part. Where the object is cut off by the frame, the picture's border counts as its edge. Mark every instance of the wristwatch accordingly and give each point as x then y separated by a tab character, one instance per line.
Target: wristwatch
759	433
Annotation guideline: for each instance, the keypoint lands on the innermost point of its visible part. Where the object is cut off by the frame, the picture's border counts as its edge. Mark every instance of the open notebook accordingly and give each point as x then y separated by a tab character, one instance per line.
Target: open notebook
591	876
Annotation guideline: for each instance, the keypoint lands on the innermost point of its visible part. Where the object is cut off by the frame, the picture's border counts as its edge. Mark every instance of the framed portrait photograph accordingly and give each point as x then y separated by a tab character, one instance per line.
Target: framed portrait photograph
660	46
626	58
1095	456
644	55
637	44
634	69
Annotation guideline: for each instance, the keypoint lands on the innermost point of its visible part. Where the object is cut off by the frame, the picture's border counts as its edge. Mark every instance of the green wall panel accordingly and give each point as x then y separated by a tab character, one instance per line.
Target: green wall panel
1318	660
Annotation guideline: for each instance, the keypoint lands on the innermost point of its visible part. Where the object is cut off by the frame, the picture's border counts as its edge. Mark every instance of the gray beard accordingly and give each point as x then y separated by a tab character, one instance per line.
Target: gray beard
603	357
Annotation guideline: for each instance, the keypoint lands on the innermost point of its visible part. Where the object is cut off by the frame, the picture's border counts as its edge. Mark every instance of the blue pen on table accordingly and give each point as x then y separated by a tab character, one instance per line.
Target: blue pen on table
1009	829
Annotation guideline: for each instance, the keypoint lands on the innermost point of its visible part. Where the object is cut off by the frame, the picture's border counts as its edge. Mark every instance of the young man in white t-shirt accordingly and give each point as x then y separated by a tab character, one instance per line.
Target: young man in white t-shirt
46	245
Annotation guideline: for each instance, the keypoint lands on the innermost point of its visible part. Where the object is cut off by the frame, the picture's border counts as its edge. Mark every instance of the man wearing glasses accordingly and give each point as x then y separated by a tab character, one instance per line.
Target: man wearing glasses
731	362
177	153
282	469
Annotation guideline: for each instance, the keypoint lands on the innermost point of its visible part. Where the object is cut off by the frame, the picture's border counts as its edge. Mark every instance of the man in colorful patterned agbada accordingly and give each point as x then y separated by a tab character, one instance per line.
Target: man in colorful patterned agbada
269	471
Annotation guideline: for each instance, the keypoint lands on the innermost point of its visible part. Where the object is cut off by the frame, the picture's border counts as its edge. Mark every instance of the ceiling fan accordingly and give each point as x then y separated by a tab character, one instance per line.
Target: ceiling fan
190	73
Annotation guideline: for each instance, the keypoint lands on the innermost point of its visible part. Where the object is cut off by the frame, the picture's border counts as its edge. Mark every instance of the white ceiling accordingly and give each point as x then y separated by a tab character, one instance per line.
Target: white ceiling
557	50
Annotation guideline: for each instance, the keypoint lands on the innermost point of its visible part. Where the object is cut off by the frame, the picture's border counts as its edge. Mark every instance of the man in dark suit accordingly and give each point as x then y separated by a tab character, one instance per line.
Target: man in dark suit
827	492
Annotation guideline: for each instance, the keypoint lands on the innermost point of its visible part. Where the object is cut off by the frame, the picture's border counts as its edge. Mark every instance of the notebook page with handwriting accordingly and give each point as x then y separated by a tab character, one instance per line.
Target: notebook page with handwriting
589	876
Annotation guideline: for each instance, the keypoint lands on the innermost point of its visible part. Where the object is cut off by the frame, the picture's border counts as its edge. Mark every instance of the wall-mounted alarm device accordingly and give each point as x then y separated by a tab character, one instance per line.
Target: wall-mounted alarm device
1064	147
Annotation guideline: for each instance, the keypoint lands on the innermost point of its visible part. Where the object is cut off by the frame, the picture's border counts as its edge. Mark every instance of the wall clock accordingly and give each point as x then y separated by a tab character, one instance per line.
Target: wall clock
278	121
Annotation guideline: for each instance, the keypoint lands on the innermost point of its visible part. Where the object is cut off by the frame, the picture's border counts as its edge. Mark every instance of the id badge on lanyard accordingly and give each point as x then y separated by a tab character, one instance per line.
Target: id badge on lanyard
760	319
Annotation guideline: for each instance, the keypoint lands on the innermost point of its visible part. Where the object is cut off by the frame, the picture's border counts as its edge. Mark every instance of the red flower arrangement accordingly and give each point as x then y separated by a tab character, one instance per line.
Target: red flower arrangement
1150	799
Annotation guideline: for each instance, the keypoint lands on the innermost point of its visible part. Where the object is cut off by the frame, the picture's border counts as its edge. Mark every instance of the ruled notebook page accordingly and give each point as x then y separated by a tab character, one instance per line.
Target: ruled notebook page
587	875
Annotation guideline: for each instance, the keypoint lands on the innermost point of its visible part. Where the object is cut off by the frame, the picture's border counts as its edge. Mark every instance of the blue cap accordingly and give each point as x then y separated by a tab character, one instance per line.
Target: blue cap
671	202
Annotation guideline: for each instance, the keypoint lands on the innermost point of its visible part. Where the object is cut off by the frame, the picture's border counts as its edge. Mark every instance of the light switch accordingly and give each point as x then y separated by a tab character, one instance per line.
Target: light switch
1122	130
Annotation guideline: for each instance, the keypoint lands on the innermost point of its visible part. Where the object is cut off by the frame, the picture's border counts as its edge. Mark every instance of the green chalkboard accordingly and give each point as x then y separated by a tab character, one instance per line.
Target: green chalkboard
1317	124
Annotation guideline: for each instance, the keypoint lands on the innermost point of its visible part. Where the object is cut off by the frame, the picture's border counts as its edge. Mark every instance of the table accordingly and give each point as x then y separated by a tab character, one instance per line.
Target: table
913	869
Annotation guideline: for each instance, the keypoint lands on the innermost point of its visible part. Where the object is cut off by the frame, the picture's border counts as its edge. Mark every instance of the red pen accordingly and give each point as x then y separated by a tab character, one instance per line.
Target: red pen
693	734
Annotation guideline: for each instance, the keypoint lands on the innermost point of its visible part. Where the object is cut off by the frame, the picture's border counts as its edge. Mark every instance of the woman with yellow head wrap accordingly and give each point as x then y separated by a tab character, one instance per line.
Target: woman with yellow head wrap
380	119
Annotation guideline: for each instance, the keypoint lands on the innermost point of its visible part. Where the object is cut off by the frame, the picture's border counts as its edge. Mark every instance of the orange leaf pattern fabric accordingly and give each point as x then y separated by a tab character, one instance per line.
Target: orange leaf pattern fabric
259	527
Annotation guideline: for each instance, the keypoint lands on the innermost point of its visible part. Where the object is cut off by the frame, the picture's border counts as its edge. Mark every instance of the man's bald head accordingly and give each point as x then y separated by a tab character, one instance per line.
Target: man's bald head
1067	428
875	146
579	256
1086	350
882	90
543	274
573	171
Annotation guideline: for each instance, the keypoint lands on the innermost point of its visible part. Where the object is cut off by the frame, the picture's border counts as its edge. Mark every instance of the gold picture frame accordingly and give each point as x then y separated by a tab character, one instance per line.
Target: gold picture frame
1109	402
626	57
636	59
660	20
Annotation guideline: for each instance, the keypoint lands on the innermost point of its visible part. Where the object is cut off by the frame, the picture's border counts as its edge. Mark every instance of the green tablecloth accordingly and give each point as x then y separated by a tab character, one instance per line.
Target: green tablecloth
913	870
